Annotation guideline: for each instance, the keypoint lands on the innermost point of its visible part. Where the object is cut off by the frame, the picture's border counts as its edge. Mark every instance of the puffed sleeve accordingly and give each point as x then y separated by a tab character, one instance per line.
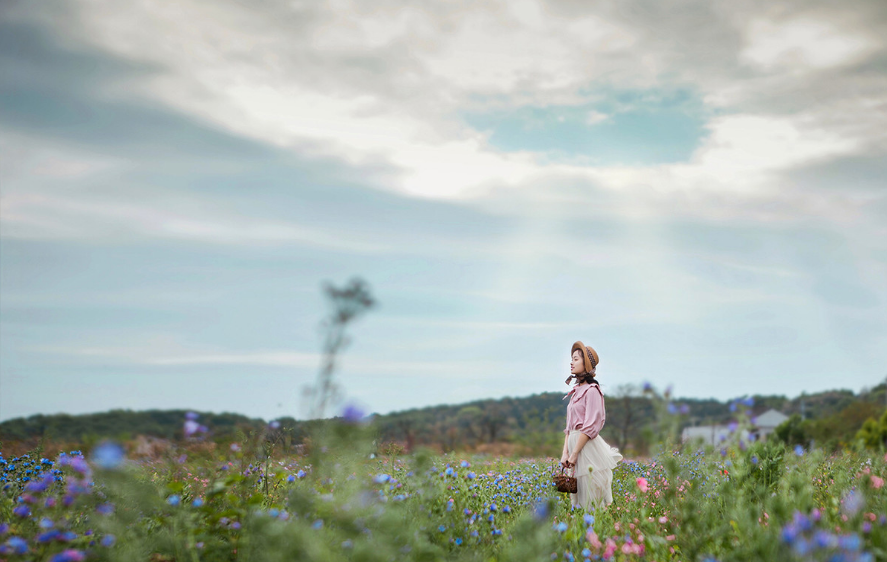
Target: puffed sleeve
595	415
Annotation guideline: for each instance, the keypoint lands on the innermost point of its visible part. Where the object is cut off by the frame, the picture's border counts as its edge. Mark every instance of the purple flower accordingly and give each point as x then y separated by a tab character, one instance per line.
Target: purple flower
733	426
799	450
46	523
69	555
79	464
853	502
108	540
301	473
21	511
4	528
352	413
274	425
191	416
105	509
750	401
380	478
191	427
291	478
108	455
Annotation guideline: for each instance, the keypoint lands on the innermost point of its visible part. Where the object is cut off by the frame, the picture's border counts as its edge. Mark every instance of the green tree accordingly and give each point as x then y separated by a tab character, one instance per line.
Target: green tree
874	433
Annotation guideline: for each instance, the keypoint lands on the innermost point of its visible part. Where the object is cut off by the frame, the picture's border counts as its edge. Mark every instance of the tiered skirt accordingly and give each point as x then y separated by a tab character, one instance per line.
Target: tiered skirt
594	472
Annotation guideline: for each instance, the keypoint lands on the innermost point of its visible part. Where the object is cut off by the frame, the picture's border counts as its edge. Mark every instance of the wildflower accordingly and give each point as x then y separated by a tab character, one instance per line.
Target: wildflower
589	520
46	523
197	502
442	528
449	471
291	478
347	543
458	541
877	482
274	425
853	502
799	450
540	510
380	478
4	528
108	541
21	511
191	416
108	455
560	527
642	484
191	427
69	555
301	473
471	476
173	500
353	413
105	509
18	545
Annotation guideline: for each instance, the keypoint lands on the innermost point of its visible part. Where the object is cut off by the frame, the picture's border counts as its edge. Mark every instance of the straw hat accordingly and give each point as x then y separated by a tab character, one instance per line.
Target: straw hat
589	355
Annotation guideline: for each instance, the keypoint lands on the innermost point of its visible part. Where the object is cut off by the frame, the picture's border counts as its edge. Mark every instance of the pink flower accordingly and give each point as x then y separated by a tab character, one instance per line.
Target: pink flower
877	482
642	484
611	548
592	539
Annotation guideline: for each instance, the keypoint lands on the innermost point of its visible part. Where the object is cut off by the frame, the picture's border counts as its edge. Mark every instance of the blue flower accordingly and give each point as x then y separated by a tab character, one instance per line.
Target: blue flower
561	527
18	545
458	541
589	520
21	511
173	500
449	471
301	473
108	455
442	528
381	478
108	540
799	450
197	502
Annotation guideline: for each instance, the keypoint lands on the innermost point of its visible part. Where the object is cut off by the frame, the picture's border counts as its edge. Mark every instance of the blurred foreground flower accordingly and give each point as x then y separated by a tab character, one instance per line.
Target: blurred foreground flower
108	455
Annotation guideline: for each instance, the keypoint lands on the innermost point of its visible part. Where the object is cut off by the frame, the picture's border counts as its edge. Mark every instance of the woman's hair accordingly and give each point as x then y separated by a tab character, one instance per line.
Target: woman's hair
588	376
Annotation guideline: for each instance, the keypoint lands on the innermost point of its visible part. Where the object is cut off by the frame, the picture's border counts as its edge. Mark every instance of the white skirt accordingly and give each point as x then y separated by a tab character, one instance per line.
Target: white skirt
594	472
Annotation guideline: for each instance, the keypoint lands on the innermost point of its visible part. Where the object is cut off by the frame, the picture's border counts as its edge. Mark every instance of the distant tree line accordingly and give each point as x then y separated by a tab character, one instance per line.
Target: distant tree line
530	425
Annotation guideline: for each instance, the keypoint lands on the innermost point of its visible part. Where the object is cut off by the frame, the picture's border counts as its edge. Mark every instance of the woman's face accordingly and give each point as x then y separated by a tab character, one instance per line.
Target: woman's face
577	363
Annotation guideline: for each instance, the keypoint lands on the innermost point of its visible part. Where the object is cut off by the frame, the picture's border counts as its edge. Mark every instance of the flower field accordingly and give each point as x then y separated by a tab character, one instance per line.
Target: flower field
342	500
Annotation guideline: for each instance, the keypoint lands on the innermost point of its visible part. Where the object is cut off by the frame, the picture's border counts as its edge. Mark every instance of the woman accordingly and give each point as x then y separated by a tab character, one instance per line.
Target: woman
592	459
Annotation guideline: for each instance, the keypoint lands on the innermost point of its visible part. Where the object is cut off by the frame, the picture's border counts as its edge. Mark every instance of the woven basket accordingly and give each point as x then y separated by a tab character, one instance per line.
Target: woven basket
565	483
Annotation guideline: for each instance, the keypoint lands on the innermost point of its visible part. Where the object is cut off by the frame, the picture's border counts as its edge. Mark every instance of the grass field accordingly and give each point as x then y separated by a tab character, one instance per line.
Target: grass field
341	500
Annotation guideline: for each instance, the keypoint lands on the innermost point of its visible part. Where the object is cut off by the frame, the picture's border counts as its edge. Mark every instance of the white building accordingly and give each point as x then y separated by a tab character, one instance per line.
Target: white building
762	427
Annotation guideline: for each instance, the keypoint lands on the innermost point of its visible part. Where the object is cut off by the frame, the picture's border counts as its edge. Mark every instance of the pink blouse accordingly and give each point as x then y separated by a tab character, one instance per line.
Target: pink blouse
585	411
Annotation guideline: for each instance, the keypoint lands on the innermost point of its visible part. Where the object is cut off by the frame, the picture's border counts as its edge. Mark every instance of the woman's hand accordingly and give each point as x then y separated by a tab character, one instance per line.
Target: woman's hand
565	461
571	460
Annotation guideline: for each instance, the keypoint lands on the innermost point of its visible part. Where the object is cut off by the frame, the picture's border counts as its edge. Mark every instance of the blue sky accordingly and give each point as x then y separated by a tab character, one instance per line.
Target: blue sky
698	195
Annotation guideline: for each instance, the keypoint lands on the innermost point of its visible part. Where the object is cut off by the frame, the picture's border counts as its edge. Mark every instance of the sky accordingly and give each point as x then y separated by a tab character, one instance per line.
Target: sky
697	190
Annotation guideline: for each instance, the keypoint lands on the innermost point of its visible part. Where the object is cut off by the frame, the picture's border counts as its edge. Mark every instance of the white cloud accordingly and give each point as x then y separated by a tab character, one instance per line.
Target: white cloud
802	44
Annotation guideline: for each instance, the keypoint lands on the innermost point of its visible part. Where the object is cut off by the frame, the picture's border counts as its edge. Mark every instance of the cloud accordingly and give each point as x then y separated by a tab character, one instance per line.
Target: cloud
386	84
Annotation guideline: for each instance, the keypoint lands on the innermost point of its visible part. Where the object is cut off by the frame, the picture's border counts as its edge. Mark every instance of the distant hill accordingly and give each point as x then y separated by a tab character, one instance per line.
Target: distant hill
517	425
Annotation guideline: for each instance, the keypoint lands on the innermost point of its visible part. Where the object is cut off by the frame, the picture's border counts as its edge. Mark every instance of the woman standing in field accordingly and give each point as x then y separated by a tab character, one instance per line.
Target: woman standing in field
584	449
